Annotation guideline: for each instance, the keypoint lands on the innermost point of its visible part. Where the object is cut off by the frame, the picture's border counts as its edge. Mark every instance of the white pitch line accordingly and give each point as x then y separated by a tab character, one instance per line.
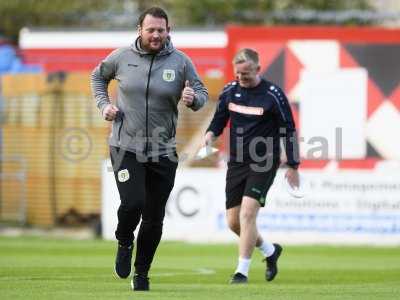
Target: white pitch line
200	271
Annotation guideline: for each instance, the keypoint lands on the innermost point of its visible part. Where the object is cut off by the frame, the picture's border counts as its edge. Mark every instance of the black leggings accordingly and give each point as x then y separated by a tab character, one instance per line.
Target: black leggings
144	188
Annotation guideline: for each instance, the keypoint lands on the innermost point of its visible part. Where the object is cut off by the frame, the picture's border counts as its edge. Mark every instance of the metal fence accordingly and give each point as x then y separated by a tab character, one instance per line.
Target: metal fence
51	125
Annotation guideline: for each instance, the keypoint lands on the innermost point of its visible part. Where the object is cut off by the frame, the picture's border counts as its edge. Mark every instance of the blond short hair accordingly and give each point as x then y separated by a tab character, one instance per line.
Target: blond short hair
245	55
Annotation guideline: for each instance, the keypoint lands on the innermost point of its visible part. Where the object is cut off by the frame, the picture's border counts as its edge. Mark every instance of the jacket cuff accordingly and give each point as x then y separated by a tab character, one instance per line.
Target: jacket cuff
102	106
194	103
293	165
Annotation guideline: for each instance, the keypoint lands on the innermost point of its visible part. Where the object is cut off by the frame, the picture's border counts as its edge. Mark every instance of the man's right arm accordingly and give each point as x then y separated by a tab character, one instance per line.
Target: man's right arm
218	123
101	77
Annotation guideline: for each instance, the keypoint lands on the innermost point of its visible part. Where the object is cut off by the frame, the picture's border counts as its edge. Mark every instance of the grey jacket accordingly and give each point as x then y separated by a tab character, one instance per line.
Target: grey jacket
149	89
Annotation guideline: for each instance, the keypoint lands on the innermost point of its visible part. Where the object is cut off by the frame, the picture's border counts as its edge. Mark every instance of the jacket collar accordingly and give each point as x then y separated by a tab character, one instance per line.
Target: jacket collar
168	48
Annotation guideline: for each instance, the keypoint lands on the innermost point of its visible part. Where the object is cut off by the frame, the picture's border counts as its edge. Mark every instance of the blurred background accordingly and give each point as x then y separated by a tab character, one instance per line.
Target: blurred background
336	60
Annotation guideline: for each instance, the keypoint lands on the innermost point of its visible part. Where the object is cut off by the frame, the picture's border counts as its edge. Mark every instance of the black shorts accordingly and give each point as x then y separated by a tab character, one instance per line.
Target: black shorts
248	179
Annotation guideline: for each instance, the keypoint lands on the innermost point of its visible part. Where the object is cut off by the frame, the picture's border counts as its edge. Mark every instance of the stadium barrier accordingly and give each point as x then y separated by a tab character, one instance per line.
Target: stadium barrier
340	207
51	123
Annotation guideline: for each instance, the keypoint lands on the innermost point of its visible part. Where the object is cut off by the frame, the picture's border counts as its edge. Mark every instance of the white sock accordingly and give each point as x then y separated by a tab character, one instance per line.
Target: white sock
243	266
266	248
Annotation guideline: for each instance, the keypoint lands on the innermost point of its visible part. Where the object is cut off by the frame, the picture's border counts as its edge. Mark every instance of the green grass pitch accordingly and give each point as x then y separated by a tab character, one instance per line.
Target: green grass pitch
44	268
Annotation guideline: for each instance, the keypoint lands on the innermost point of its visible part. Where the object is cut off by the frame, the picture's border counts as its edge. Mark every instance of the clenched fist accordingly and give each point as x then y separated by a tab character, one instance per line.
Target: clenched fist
110	112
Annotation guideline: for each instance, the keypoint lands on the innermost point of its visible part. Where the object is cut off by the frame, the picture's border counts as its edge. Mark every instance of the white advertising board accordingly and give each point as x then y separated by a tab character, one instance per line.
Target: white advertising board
341	207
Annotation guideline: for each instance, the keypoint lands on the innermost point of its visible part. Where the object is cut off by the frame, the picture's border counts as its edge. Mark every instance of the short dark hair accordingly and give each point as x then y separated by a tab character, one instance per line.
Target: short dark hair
154	11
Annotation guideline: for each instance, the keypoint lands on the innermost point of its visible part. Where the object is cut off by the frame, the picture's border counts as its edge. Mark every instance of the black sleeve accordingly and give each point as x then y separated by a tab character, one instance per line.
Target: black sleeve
287	127
221	116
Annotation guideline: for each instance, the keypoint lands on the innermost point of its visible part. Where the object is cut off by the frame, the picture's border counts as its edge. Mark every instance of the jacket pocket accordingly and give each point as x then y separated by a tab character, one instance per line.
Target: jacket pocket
119	130
120	120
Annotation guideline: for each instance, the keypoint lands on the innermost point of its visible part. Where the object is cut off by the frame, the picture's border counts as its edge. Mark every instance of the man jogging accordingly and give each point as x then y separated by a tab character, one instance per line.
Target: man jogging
152	78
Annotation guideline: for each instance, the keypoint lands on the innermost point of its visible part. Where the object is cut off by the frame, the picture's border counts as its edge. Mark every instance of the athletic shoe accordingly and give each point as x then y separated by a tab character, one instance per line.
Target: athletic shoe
140	283
272	263
238	278
123	261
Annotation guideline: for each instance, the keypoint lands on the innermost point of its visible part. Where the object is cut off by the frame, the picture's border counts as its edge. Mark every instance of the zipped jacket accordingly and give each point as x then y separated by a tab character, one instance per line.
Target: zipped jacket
149	89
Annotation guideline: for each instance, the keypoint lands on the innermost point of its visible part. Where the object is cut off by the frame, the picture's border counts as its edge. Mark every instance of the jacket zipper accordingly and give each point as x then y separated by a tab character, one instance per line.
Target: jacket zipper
147	106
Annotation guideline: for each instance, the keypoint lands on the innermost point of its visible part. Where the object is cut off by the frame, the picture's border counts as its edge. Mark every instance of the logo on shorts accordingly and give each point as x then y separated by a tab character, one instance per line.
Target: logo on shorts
123	175
169	75
256	190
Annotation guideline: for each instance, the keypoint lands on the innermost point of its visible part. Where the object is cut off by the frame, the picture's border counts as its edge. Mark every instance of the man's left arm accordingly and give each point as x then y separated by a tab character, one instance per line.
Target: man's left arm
200	91
287	128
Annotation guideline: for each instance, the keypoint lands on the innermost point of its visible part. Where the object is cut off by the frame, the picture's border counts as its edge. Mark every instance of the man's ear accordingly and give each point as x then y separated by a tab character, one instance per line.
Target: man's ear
139	30
168	29
258	68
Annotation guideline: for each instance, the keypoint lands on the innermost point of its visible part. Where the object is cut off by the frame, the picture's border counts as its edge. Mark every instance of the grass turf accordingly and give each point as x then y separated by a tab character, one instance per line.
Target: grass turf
43	268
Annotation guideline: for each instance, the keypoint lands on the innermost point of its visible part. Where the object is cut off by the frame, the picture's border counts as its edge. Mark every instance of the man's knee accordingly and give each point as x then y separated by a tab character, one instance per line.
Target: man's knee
232	218
151	225
234	224
247	216
248	211
130	207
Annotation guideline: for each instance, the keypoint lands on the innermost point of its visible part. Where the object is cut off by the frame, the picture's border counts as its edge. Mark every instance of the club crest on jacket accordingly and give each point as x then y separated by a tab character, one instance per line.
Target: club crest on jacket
169	75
